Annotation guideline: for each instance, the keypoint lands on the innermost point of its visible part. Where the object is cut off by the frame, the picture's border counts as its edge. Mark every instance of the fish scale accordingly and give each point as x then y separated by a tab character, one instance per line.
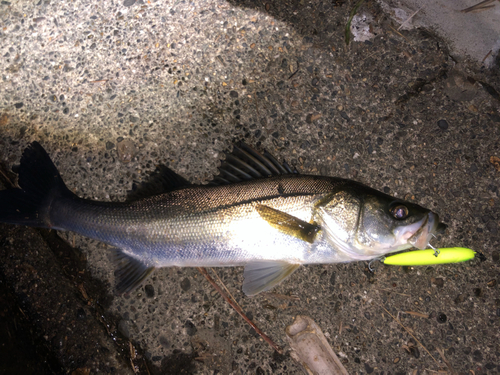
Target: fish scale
216	227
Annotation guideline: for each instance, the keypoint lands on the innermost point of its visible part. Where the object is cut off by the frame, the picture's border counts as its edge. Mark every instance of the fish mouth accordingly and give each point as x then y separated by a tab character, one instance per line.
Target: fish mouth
431	225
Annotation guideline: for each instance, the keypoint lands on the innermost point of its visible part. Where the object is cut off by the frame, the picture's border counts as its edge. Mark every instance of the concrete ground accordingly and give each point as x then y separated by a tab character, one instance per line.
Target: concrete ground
112	89
471	28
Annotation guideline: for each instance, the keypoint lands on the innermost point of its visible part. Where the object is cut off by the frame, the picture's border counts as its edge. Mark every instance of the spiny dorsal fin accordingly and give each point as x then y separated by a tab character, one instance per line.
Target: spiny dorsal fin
288	224
162	180
245	163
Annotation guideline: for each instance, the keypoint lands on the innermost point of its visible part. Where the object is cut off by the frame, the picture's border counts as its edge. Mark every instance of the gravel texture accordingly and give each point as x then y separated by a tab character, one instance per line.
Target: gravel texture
112	89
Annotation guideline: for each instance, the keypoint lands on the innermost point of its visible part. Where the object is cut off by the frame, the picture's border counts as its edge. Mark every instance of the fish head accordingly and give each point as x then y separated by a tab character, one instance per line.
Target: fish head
365	223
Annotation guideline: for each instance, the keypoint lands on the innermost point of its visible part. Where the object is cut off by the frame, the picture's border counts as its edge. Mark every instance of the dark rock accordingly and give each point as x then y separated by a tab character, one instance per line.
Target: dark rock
19	105
441	318
80	313
460	298
438	281
443	124
368	368
150	291
344	115
190	328
128	3
477	356
164	342
185	284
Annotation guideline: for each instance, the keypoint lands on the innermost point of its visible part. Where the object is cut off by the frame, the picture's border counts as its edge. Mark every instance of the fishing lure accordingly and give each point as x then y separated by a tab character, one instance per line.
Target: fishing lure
430	256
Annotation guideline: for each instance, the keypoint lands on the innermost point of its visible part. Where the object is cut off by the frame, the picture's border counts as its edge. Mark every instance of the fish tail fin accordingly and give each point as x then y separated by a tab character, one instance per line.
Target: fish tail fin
40	183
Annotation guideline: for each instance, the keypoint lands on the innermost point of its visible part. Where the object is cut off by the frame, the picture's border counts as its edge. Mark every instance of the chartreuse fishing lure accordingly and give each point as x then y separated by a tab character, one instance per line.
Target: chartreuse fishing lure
430	256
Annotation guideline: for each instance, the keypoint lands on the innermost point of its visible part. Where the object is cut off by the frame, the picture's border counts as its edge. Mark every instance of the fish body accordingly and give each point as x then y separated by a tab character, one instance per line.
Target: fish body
269	225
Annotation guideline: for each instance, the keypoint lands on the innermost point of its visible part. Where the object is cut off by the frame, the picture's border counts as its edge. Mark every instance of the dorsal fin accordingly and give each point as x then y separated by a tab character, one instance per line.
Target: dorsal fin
245	163
162	180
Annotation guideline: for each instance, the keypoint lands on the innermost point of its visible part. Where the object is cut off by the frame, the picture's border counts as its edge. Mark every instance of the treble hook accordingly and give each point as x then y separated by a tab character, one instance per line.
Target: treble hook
370	268
436	251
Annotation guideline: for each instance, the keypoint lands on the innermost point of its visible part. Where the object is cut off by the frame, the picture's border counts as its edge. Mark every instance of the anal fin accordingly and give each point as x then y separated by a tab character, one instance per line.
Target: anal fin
264	275
130	273
288	224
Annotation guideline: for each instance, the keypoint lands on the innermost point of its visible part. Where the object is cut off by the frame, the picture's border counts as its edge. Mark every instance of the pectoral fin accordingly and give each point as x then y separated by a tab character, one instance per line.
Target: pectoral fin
264	275
130	272
288	224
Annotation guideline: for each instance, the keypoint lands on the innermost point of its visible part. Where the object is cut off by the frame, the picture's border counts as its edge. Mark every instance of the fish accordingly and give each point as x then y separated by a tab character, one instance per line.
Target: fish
257	213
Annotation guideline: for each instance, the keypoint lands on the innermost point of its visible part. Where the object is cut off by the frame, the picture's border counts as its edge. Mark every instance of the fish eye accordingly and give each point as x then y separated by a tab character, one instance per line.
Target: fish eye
400	212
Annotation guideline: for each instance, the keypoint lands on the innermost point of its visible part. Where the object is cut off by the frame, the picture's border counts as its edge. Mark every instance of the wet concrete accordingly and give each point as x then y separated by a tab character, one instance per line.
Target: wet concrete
113	89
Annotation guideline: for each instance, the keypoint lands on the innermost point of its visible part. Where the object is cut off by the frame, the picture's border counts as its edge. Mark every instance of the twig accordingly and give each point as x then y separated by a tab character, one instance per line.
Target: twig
397	32
426	316
411	334
479	7
281	296
485	57
448	364
6	180
101	80
295	71
53	40
228	292
409	18
204	272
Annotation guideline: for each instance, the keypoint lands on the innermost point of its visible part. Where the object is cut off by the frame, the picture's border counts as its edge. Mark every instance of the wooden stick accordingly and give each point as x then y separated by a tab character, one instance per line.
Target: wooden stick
448	364
405	22
483	5
204	272
224	286
416	313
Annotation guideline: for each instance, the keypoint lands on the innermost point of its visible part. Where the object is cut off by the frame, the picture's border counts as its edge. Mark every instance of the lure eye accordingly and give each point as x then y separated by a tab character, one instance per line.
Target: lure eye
400	212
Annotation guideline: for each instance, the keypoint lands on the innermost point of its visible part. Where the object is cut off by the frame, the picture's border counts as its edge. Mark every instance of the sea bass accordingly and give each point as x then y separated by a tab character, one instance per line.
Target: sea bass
257	213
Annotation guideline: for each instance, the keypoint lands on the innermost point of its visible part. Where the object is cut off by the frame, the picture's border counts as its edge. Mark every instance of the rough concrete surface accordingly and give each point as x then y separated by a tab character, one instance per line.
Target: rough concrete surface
472	27
112	89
